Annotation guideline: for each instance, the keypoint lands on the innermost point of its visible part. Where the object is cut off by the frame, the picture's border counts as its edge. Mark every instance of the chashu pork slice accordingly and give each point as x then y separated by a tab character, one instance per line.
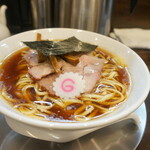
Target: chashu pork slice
92	69
31	57
89	67
38	70
41	70
47	83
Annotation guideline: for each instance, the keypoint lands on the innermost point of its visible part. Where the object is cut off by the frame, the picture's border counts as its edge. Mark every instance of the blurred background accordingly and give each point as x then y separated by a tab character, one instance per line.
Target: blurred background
96	15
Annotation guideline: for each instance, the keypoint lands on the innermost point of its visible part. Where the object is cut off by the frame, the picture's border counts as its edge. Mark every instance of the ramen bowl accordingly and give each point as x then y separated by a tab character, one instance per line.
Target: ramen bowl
67	131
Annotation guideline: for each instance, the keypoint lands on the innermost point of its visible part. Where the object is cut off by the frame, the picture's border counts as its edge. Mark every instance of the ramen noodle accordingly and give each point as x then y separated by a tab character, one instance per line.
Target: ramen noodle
26	95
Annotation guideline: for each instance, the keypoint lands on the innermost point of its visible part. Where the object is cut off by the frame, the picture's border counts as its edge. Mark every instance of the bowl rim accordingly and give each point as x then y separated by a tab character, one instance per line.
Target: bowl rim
77	125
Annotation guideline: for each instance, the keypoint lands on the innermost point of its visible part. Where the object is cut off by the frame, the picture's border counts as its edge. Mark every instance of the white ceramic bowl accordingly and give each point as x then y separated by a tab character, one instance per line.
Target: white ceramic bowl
63	132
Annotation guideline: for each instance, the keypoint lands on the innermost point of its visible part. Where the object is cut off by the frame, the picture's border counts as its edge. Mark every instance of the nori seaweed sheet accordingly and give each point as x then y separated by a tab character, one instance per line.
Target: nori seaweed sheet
69	45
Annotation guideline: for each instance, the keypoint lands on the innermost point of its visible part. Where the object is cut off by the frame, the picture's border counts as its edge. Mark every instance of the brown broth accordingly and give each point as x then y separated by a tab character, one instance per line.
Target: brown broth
9	73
